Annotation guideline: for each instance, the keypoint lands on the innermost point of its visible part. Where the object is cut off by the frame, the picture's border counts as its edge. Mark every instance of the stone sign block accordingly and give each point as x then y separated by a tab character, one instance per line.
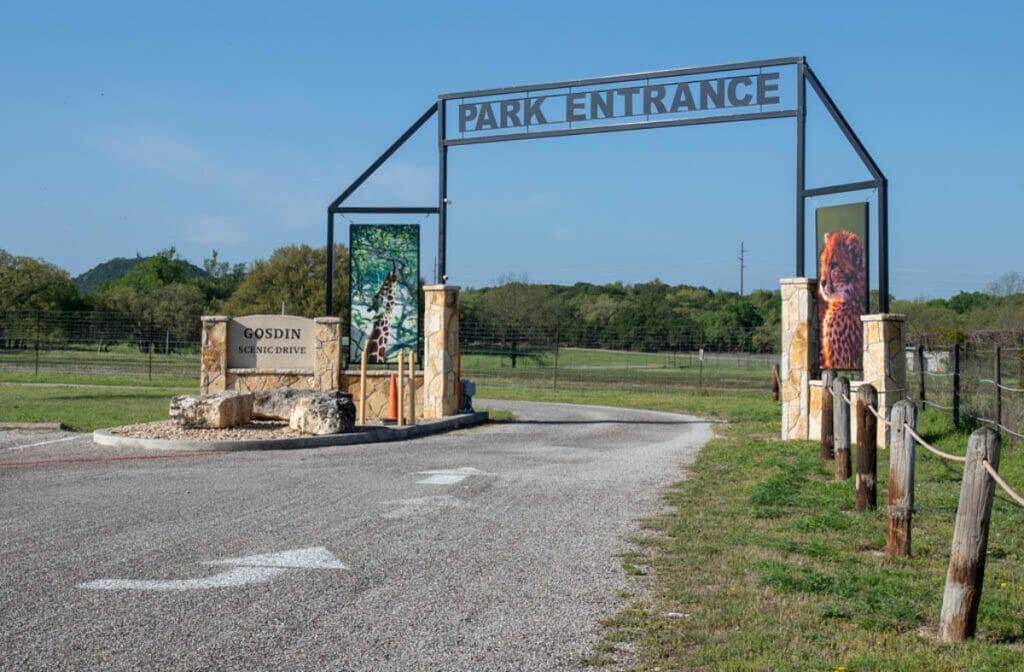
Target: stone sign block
271	342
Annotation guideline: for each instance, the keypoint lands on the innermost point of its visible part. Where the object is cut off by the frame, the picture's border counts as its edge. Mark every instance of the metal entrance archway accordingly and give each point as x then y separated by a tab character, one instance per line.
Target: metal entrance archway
747	91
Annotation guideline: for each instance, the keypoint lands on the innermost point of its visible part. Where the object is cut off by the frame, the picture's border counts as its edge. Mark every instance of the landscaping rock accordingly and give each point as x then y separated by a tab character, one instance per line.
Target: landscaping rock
323	414
212	411
277	404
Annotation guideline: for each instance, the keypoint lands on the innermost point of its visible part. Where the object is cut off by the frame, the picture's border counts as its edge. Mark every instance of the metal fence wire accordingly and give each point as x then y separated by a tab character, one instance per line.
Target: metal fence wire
978	386
543	356
94	343
531	356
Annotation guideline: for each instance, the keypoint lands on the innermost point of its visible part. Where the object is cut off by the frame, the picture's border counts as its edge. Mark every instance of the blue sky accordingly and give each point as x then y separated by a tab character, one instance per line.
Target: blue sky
130	128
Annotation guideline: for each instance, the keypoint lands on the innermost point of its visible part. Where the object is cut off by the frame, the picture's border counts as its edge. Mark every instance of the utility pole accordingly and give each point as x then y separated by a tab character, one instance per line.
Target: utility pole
741	267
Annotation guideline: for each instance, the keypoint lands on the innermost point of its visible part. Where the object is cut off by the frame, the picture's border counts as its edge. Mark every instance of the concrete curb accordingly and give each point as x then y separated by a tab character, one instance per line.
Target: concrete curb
105	437
34	426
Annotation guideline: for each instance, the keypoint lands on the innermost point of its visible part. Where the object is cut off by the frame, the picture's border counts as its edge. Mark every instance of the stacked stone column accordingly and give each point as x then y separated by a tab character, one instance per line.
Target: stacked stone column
214	372
327	364
885	362
440	350
799	361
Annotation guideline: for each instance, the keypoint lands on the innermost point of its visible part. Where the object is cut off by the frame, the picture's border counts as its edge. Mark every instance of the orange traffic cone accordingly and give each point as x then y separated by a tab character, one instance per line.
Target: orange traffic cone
393	400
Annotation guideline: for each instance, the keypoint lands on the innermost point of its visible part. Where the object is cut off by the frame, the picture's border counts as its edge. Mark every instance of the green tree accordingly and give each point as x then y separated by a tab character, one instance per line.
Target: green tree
34	284
219	281
292	278
518	313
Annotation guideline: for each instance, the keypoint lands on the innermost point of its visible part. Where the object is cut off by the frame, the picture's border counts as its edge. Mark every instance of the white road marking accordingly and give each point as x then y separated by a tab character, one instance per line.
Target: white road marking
448	476
315	557
44	443
247	570
232	578
404	508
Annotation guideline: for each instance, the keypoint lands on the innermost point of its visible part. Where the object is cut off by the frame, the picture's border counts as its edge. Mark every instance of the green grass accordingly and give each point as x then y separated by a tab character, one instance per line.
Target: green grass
183	383
83	408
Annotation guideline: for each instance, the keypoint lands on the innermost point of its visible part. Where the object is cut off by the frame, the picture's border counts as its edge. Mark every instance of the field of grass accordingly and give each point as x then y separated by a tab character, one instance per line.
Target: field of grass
85	408
625	371
116	361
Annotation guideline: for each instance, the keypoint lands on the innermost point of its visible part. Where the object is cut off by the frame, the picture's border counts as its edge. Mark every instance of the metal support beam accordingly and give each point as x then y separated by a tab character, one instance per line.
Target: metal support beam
880	179
840	120
330	264
442	194
613	79
385	210
883	246
801	136
842	188
384	157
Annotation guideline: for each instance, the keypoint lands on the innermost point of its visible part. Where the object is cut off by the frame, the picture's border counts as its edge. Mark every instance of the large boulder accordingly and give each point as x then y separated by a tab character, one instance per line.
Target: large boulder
212	411
323	414
277	404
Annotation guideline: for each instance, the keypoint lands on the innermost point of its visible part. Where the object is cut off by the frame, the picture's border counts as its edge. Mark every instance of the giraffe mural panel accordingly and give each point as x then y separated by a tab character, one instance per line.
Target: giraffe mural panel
384	291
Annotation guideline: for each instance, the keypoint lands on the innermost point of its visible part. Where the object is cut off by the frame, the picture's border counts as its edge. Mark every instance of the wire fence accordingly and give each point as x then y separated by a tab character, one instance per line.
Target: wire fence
540	357
977	386
533	356
94	343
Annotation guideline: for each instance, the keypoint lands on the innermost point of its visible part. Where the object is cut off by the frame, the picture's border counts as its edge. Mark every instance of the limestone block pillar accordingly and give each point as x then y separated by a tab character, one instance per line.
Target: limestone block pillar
440	350
327	362
214	357
885	364
799	360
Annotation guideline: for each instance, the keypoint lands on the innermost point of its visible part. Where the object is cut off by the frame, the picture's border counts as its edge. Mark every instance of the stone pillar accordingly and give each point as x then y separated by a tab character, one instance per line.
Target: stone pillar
885	364
214	359
327	365
799	354
440	350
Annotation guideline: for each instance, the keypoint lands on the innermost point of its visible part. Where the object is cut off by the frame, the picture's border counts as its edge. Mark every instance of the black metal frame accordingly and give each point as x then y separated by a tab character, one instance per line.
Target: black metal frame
804	76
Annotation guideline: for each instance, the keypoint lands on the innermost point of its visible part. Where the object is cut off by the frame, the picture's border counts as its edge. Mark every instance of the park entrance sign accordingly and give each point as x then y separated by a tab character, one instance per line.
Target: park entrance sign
748	91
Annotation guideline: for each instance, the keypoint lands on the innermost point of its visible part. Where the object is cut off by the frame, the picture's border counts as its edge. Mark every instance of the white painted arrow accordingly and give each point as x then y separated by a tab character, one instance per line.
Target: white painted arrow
448	476
249	569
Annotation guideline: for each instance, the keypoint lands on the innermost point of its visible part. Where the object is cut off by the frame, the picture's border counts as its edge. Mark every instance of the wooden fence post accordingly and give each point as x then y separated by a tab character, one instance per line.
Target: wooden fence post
401	388
901	478
827	430
841	427
970	539
956	386
998	376
920	375
775	382
867	449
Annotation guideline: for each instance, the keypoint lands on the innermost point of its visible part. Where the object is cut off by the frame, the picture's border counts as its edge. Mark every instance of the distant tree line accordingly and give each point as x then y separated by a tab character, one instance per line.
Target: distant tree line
650	317
165	291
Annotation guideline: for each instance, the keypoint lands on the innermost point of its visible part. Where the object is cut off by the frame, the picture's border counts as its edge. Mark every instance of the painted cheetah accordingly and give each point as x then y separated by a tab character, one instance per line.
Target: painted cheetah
842	286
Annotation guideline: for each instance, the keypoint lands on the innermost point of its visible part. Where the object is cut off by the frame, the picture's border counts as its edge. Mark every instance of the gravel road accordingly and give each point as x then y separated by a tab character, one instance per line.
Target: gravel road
493	548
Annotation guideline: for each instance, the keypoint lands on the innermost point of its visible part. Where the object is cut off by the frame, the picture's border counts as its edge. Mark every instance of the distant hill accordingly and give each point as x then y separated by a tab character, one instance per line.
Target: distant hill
108	271
115	269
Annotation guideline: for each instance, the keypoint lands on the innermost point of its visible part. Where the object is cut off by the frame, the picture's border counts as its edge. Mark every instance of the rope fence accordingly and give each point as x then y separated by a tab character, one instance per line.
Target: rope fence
978	482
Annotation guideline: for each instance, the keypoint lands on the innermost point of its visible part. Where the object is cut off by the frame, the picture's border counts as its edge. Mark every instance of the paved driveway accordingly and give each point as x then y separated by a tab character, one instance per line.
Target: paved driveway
493	548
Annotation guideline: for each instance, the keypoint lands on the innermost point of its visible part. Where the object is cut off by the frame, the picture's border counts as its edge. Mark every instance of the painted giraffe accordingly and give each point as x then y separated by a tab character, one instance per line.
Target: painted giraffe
382	306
